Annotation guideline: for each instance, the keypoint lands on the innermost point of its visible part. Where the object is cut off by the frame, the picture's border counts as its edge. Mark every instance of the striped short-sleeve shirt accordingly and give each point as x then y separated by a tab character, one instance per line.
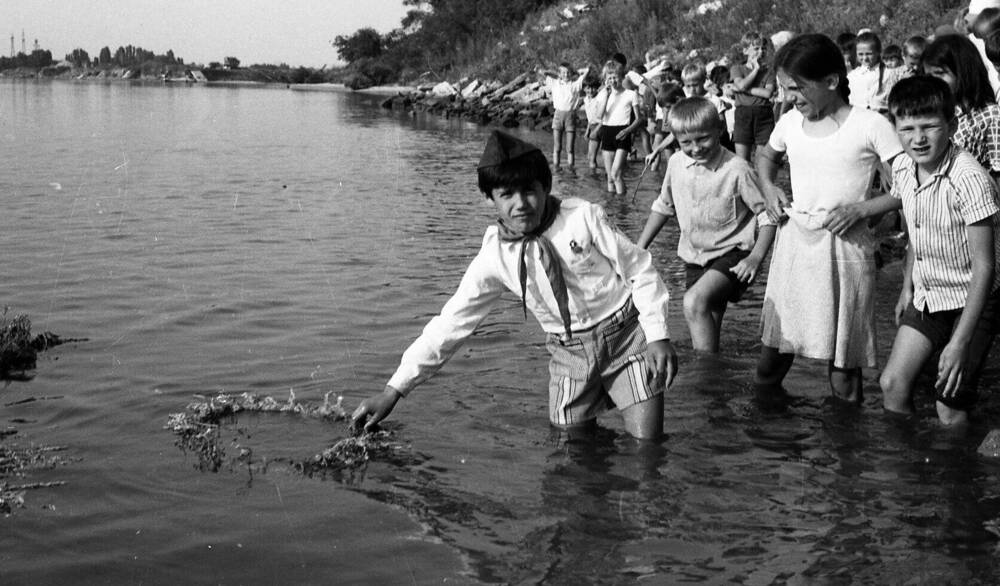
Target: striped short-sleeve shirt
958	194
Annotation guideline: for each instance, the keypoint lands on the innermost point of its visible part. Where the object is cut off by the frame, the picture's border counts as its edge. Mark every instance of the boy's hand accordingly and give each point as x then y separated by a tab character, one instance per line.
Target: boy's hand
650	159
951	368
841	219
746	269
661	362
374	409
622	135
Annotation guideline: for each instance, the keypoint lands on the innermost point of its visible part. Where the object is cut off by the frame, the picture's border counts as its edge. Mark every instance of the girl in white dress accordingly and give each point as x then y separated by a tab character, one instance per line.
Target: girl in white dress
819	298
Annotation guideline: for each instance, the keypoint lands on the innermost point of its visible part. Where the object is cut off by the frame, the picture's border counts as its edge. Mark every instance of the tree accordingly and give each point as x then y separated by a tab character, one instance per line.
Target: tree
78	58
364	43
232	63
105	56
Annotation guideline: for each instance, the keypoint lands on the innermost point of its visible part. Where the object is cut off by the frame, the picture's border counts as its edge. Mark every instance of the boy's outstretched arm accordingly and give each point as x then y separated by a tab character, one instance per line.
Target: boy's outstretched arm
374	409
951	365
655	222
661	362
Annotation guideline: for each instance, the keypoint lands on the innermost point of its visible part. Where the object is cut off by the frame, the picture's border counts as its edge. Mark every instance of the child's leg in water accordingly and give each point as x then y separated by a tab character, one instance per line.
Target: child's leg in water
570	147
609	158
846	384
772	367
557	146
618	170
645	420
704	307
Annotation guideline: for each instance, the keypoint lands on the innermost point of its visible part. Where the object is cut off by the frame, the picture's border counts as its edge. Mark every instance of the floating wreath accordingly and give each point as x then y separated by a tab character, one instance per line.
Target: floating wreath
198	428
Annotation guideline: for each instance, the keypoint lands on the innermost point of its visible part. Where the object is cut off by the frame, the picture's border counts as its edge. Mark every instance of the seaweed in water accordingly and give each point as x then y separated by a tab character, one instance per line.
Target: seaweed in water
14	461
18	349
198	431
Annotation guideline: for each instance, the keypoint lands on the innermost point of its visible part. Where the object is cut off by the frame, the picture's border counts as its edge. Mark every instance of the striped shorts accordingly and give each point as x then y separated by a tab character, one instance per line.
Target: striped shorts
600	368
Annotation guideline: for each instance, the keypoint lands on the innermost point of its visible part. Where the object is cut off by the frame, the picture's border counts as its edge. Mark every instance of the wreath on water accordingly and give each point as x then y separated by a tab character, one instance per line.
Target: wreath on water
198	431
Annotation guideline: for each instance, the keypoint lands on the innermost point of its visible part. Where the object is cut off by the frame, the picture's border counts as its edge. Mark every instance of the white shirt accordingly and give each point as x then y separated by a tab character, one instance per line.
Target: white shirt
602	269
564	93
617	109
864	84
959	193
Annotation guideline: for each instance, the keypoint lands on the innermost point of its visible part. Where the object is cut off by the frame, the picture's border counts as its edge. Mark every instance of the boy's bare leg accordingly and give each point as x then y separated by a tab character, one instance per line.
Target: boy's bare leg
609	158
951	416
557	145
570	147
592	147
618	170
704	306
645	420
910	350
743	150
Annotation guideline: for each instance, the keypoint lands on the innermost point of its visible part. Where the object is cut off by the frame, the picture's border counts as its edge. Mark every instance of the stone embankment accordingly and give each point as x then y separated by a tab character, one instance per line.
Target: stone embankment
520	102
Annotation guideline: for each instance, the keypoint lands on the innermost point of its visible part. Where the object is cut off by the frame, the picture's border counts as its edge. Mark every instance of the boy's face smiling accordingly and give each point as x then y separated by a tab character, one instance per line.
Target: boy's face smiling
701	144
519	208
925	139
811	98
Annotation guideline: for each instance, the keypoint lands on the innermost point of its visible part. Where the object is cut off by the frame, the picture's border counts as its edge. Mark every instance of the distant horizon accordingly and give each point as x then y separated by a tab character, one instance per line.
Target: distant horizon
199	32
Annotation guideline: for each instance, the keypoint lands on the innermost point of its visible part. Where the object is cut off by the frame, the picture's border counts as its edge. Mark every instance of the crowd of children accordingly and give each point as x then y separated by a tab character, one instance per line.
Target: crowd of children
864	130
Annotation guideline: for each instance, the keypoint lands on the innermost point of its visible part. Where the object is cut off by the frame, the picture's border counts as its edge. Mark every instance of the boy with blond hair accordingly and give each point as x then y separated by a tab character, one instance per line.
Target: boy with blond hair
719	206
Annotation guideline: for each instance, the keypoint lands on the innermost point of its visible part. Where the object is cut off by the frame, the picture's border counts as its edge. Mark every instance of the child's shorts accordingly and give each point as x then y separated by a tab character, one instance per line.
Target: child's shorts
564	120
753	124
610	143
937	328
598	369
721	264
594	131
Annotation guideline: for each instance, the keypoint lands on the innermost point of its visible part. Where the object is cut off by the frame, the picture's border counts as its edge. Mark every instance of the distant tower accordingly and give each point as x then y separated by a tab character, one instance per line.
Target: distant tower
36	48
12	46
23	50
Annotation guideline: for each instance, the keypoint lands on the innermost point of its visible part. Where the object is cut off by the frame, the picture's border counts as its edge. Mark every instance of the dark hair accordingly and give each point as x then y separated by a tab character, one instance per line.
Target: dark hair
521	172
958	55
986	22
668	94
892	51
992	43
921	95
812	57
619	57
719	75
846	42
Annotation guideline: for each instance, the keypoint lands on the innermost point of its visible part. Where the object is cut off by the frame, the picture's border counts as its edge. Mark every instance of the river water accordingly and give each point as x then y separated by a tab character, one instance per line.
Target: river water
221	239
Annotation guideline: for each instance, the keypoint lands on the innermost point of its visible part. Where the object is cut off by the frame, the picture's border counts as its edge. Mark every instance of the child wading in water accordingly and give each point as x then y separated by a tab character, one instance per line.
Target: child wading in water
951	288
621	116
819	299
565	94
596	294
715	196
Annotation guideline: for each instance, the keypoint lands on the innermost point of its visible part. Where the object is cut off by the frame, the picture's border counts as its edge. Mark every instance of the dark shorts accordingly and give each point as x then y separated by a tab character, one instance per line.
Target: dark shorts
937	328
564	120
722	264
753	124
610	143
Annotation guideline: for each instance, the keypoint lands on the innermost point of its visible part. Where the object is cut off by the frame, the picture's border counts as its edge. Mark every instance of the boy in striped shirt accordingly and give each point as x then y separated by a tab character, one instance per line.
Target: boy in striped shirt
949	301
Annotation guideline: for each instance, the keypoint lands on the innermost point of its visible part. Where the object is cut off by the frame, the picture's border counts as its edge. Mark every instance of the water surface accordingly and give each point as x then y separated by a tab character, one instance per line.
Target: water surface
214	239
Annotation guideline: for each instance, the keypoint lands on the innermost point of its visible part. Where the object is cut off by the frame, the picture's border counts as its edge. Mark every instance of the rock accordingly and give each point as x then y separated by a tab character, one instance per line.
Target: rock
469	90
444	89
990	447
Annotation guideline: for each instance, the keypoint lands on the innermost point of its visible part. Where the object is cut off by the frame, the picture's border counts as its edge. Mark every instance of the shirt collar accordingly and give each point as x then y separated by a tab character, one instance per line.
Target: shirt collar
944	166
712	164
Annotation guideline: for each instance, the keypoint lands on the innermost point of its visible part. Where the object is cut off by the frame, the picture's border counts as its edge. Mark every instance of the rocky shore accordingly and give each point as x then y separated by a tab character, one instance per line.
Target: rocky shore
522	102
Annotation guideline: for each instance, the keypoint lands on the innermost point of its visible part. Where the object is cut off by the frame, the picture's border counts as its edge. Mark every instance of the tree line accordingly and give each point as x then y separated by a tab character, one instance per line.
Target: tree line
454	38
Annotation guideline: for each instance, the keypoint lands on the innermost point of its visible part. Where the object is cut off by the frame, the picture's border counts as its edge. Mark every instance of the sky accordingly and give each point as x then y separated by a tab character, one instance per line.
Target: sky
296	32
